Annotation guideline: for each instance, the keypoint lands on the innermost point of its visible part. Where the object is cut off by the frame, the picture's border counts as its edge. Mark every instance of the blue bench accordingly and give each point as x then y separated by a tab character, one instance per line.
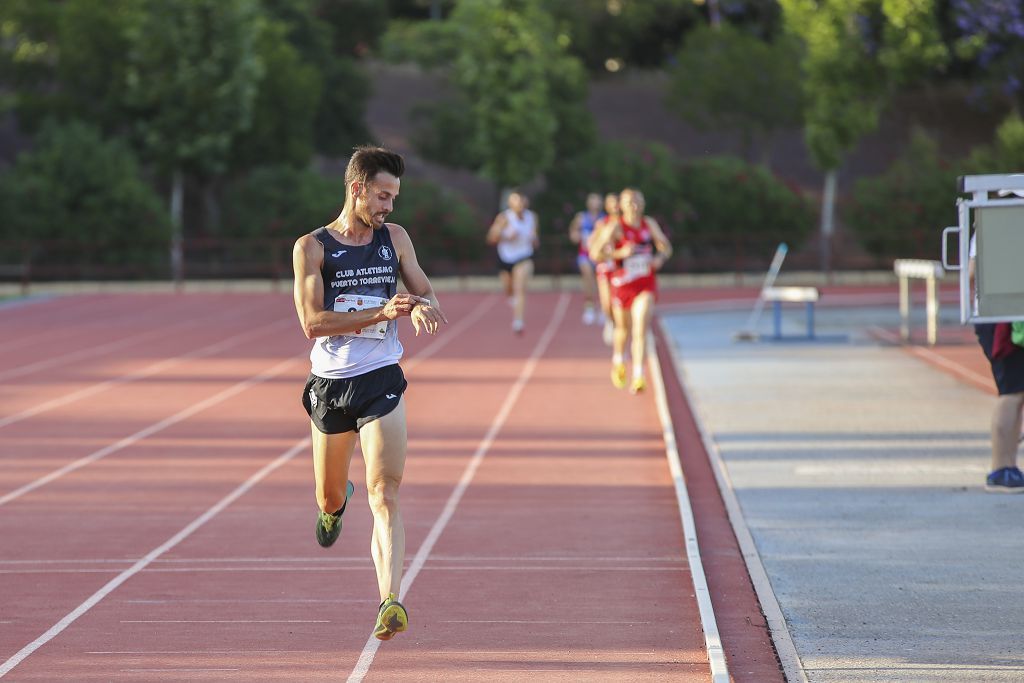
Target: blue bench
780	295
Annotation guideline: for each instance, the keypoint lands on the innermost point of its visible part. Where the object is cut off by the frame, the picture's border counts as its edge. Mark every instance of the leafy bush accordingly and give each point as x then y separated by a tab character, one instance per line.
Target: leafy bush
281	202
276	204
735	199
709	208
1006	154
900	213
87	193
445	230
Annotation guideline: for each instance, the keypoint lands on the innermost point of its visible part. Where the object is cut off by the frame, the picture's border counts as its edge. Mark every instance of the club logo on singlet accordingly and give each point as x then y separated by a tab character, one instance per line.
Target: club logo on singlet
384	252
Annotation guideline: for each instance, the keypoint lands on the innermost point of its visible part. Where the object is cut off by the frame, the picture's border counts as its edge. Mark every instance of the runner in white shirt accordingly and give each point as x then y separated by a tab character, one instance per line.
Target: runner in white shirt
514	232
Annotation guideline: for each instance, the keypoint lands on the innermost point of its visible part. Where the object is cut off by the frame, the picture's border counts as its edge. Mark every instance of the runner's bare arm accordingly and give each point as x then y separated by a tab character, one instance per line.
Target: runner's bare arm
427	315
575	232
536	231
601	241
494	232
307	258
661	243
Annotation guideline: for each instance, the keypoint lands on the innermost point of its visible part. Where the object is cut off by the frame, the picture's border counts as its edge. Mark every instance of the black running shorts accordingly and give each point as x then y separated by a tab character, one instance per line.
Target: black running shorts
342	405
1008	372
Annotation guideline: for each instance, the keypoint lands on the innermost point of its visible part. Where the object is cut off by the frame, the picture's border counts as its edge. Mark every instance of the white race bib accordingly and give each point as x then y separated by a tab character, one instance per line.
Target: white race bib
350	303
637	266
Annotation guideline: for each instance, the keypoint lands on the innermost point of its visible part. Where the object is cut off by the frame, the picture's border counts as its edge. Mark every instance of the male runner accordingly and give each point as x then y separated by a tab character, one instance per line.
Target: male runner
346	299
604	267
514	232
580	229
639	248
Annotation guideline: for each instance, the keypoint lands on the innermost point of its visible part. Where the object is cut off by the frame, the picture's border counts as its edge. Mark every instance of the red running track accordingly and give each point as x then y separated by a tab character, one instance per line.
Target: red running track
156	505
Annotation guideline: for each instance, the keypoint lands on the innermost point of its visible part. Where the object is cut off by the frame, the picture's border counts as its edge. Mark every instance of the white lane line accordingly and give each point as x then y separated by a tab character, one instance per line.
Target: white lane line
370	649
150	671
112	585
712	638
195	652
299	568
560	622
777	626
142	373
453	332
359	560
247	601
147	431
225	621
88	351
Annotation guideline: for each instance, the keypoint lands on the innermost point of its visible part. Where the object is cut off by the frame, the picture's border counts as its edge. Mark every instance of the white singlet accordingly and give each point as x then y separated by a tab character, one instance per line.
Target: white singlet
517	238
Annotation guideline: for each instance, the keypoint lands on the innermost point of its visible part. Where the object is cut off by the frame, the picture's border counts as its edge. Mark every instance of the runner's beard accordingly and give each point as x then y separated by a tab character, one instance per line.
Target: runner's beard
374	220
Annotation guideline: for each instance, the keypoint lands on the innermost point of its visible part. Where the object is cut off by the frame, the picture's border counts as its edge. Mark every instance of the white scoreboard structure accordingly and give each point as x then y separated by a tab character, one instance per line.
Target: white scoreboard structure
993	215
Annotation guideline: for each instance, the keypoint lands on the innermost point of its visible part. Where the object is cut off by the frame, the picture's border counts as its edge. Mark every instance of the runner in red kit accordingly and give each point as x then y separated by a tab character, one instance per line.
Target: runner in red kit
639	248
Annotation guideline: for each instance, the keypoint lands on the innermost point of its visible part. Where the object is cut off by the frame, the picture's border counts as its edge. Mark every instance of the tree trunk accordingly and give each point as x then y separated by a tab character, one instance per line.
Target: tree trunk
177	239
211	207
828	205
714	14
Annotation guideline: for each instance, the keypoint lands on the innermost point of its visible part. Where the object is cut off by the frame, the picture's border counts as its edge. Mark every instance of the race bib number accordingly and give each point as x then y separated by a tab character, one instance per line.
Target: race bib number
350	303
637	266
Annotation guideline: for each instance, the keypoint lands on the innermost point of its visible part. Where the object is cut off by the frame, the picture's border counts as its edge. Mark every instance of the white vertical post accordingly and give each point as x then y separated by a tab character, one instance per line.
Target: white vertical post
904	307
932	304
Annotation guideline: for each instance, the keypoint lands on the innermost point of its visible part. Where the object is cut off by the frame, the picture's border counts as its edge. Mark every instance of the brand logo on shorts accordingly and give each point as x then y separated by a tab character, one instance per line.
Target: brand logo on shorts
312	398
391	396
385	252
339	253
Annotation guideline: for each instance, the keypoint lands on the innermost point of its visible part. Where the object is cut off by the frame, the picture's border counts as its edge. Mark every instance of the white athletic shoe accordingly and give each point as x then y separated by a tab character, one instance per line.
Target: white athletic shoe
606	333
589	318
517	326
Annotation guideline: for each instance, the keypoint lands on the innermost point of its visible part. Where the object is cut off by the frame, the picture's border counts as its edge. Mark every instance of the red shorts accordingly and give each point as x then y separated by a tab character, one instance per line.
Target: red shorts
624	294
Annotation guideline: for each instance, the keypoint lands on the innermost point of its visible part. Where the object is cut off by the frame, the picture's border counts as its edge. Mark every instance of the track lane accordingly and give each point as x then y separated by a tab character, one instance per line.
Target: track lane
144	476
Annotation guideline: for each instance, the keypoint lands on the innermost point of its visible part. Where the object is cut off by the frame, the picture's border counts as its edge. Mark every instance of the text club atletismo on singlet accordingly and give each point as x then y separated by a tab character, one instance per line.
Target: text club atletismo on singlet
357	277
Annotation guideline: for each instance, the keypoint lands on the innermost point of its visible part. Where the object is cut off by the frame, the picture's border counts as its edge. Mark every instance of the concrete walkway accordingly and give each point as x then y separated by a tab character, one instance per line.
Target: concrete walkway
859	470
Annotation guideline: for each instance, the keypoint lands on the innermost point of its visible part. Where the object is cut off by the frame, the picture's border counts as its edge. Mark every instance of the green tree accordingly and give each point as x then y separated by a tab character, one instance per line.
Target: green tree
192	77
520	96
855	51
731	80
28	49
895	215
1005	154
77	188
284	111
322	33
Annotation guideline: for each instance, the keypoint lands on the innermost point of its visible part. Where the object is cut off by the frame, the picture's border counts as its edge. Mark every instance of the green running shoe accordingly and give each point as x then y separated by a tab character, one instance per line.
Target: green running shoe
391	618
328	526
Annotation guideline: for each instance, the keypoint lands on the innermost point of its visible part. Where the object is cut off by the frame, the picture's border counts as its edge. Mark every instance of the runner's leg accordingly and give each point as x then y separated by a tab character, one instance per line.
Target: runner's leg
332	454
642	309
506	282
587	276
521	273
384	444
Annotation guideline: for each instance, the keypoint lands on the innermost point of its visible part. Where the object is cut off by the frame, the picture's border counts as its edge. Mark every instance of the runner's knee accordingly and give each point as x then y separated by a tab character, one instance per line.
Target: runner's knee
383	493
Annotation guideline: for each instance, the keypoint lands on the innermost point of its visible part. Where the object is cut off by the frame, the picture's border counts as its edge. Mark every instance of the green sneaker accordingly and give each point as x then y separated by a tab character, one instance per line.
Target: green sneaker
328	526
391	618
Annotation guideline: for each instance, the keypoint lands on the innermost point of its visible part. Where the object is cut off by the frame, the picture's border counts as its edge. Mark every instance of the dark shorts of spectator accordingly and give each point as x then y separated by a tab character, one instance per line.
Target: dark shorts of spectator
1008	372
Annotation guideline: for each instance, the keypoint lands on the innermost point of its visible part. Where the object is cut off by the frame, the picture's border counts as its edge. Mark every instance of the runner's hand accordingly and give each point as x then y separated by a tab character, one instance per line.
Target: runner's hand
401	304
427	317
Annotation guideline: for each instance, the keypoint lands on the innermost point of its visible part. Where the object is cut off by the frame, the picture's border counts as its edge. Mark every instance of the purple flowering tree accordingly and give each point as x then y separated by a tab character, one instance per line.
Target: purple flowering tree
991	34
